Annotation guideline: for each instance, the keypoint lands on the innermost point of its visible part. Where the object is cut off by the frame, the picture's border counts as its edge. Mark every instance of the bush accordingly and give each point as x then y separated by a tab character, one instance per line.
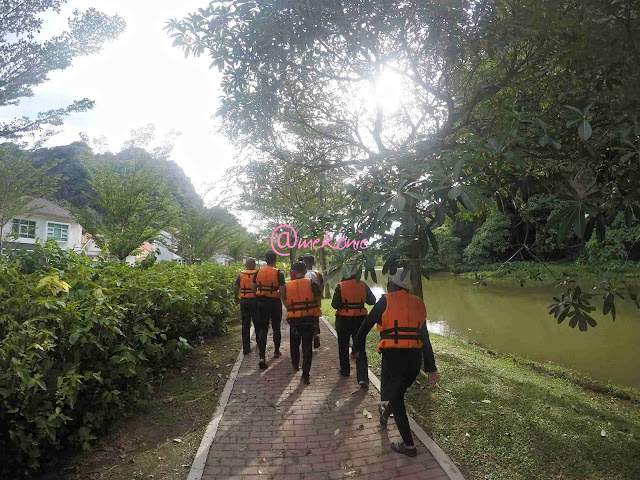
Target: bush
449	254
619	239
80	342
490	241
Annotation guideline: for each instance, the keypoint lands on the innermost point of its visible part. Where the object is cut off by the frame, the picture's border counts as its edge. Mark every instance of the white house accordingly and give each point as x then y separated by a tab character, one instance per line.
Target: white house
223	259
46	220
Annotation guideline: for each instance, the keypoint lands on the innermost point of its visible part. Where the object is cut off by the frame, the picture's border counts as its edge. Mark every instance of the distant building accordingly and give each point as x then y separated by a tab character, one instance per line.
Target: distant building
222	259
45	221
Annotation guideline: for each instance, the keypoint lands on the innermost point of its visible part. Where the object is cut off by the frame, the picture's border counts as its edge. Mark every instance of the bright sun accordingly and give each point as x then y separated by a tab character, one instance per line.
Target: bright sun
388	91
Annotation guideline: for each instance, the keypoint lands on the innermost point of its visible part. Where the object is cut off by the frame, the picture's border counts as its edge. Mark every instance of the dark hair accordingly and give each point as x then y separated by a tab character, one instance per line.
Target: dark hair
301	259
299	267
311	258
270	257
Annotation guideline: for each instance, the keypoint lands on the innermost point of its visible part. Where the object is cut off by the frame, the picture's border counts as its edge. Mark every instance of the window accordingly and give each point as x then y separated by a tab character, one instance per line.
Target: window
24	228
58	231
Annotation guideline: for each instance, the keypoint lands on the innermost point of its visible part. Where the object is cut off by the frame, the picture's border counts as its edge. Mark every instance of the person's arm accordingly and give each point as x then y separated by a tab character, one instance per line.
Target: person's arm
371	298
254	286
427	351
375	316
336	301
283	292
236	289
317	293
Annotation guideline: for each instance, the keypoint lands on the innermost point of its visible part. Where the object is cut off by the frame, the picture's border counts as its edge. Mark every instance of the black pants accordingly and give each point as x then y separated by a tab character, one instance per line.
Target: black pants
400	367
269	311
248	313
347	329
302	333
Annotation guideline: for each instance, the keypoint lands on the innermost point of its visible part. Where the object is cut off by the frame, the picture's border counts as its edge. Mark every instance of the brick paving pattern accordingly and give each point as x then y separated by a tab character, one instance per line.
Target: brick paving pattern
275	427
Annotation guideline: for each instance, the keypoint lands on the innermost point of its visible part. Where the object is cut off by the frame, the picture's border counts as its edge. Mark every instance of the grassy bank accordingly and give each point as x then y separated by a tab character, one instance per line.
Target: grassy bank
501	417
161	438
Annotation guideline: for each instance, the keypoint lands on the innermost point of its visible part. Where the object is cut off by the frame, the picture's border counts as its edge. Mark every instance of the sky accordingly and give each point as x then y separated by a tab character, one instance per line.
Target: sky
136	80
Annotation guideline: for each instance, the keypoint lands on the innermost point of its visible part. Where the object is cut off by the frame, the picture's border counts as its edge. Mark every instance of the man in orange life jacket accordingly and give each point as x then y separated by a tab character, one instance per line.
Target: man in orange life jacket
402	319
316	276
268	285
247	300
302	299
349	298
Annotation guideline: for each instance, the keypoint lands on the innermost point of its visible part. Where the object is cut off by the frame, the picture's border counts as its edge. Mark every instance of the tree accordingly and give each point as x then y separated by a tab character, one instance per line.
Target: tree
20	181
200	233
133	199
497	101
26	62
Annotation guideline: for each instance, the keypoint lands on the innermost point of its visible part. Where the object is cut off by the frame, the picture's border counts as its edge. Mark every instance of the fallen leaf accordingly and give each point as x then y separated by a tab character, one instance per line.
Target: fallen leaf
176	440
603	433
448	391
486	401
367	414
337	431
467	435
361	427
337	403
244	391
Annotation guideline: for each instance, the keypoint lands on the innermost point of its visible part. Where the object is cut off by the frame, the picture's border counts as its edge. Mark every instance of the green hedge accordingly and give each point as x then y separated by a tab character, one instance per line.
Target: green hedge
80	342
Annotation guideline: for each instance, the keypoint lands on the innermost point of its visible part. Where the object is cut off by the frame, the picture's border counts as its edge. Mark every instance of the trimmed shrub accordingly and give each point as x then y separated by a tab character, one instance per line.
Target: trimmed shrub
80	342
490	241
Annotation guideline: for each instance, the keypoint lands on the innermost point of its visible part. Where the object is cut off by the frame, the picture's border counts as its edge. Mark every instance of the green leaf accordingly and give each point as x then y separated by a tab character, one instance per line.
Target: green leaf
584	130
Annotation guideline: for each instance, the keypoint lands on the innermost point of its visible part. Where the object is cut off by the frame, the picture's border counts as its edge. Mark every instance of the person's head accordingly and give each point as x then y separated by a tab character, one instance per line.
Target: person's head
301	259
250	263
270	257
309	261
396	282
298	270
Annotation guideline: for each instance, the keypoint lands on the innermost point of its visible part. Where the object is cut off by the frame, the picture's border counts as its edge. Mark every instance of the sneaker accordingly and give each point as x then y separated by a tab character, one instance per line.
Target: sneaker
247	352
400	447
363	384
262	363
382	408
277	354
316	341
305	379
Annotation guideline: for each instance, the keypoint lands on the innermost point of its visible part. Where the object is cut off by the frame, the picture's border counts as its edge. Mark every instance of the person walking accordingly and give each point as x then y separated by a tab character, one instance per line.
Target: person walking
349	299
316	276
247	300
402	318
268	285
302	299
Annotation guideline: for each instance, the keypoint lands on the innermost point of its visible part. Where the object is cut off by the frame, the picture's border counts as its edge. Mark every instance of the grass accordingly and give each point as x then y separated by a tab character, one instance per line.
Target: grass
502	417
161	439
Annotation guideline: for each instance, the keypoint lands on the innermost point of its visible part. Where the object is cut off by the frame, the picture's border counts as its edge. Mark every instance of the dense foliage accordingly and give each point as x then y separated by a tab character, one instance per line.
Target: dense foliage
428	108
80	341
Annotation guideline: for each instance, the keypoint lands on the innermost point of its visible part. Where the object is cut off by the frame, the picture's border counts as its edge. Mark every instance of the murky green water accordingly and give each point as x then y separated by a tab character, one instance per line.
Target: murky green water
510	319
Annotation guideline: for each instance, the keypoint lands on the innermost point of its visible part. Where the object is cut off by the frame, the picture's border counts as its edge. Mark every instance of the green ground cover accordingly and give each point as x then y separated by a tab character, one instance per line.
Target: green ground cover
503	417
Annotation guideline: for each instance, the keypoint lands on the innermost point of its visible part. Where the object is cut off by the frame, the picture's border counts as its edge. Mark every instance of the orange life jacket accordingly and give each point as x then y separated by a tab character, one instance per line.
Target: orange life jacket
402	320
300	299
246	282
353	295
267	282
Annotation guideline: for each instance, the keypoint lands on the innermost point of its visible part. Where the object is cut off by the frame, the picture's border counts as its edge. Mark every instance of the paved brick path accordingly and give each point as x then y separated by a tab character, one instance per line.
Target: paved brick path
274	427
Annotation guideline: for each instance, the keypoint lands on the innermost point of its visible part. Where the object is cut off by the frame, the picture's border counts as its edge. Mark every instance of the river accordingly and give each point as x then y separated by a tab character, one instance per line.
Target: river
514	320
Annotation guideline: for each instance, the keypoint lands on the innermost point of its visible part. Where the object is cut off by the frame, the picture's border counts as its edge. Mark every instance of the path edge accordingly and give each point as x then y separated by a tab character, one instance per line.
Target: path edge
441	457
200	460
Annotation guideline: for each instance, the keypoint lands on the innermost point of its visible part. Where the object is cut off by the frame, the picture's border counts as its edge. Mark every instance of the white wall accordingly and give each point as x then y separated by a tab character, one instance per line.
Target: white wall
74	237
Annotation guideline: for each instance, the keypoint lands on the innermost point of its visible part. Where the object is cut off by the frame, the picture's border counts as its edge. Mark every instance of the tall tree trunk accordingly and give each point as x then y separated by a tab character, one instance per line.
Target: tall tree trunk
323	268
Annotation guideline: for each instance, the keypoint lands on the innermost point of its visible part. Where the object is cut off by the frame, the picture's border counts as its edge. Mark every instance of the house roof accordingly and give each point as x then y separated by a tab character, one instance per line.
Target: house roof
46	208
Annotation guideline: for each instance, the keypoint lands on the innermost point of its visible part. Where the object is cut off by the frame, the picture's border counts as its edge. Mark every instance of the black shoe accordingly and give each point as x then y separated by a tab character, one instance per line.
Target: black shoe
262	363
277	354
400	447
305	379
381	409
296	367
344	374
363	384
316	341
247	352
